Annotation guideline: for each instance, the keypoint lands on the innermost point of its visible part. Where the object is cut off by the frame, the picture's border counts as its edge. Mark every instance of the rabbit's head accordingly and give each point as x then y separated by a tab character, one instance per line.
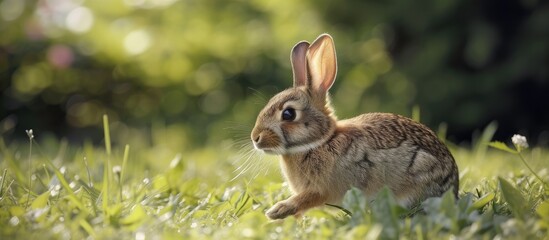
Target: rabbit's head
300	118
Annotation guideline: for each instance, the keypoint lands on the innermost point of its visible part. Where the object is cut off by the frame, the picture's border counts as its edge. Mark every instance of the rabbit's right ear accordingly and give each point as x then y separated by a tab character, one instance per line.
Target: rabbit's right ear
299	64
321	57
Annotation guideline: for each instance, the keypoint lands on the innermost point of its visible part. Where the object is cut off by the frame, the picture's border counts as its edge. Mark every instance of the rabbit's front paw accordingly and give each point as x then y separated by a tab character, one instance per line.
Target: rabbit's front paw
281	210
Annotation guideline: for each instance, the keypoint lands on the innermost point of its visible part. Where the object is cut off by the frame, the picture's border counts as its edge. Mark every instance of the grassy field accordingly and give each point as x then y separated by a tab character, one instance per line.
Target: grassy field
53	189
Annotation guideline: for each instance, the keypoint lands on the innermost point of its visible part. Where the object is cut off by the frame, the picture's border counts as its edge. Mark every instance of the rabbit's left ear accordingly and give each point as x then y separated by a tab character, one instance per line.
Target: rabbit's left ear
299	64
321	58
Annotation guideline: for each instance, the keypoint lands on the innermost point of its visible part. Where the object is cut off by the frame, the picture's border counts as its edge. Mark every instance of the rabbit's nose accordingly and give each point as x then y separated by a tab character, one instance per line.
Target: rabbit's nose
256	136
256	139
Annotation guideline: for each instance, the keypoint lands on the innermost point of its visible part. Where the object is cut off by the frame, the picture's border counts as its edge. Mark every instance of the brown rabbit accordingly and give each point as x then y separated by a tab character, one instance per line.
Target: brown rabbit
322	157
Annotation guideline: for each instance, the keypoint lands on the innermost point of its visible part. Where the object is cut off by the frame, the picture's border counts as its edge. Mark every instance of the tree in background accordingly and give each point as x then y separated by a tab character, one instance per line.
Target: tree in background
197	66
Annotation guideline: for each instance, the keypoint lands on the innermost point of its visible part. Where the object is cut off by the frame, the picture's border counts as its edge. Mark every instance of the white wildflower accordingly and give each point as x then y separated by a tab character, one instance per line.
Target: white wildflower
519	141
14	221
30	134
146	181
117	170
139	236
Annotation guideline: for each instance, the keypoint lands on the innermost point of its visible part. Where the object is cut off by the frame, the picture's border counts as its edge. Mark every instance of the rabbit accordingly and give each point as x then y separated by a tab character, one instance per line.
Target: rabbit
323	157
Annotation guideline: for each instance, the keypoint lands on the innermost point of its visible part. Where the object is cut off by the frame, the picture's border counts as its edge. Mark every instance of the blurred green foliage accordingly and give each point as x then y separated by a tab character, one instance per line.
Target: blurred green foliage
199	67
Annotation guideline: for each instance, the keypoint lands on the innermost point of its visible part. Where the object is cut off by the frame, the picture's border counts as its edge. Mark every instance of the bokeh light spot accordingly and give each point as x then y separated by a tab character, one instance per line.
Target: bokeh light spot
85	114
79	20
11	9
208	76
137	42
149	3
215	102
32	79
60	56
176	68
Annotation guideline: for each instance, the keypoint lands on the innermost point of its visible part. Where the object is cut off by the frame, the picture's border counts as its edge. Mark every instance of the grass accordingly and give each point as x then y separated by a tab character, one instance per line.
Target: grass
56	190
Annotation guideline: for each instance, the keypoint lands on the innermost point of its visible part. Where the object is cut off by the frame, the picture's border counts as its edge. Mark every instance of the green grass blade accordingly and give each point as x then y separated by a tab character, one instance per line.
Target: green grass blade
383	212
87	227
517	203
136	215
41	201
106	170
107	134
349	213
442	132
13	166
482	201
502	146
124	161
105	191
416	113
2	183
481	143
543	210
71	195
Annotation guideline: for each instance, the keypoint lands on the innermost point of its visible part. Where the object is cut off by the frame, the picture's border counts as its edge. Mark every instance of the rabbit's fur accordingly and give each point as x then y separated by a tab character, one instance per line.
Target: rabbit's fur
322	157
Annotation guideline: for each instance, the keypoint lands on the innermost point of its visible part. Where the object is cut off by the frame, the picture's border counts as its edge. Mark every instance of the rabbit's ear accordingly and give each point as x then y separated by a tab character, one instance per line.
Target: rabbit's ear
321	57
299	63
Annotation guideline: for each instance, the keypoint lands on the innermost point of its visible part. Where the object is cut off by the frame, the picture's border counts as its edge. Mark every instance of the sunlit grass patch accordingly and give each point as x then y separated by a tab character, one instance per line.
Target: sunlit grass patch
120	191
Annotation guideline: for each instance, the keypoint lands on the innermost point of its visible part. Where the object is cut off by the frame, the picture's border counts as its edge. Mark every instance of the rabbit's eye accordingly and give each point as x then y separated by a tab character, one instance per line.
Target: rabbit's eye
288	114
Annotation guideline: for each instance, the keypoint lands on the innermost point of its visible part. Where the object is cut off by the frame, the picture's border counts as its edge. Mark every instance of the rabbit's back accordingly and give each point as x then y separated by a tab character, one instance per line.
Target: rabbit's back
395	151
